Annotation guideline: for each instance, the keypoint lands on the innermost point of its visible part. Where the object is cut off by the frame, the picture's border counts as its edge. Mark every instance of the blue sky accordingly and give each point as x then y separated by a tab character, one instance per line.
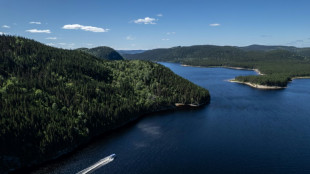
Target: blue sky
148	24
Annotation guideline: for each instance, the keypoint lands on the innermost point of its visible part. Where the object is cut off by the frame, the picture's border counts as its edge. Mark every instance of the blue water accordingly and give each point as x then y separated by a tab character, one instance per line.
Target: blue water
242	130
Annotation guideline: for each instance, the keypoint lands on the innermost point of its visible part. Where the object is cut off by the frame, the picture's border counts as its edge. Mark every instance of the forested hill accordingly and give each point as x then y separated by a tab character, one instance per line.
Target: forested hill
298	51
53	100
103	53
278	65
267	48
221	53
182	53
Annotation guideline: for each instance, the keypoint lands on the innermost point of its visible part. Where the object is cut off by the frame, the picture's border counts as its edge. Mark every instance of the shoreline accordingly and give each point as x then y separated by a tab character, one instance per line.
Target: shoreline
229	67
192	66
305	77
240	68
71	151
257	86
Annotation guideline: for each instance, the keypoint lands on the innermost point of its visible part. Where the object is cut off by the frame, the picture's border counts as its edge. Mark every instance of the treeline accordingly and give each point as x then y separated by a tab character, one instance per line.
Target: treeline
279	63
269	80
52	100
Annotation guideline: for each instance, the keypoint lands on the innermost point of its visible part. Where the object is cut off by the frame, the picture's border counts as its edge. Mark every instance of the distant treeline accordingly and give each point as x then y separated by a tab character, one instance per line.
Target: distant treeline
52	100
278	63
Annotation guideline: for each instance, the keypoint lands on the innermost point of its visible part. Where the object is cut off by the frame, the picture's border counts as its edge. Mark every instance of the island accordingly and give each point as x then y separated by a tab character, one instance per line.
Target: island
55	100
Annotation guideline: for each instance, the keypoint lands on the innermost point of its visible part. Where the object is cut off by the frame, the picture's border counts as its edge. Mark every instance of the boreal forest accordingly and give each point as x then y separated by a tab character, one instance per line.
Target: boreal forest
53	100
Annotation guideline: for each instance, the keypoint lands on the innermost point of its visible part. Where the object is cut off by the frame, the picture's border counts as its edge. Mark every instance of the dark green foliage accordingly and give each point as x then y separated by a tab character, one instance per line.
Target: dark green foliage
279	63
52	100
269	80
103	53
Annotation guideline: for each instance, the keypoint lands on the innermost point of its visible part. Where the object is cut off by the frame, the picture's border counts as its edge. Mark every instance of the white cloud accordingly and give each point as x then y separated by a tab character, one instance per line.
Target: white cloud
170	33
1	33
146	20
69	45
50	44
85	28
38	31
38	23
5	26
165	39
160	15
214	25
51	38
130	38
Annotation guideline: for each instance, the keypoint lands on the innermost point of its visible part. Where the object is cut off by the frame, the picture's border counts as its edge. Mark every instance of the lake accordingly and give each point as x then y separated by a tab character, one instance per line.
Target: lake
242	130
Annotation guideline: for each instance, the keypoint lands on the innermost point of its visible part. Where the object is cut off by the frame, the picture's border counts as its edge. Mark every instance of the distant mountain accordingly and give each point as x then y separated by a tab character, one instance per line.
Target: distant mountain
103	53
221	53
180	53
298	51
122	52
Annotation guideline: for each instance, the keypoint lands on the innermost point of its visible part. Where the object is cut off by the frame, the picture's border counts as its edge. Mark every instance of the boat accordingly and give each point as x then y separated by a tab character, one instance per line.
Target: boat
112	156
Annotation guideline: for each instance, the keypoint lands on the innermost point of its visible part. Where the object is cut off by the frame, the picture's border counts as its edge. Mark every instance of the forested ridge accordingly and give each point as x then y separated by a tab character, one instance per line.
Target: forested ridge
103	53
279	64
54	99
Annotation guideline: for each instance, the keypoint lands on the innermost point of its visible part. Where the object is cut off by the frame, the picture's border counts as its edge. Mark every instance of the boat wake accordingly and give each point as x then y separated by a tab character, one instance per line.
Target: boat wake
97	165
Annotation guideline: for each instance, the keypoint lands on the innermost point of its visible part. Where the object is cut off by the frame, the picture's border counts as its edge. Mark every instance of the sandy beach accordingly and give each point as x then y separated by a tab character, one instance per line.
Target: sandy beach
253	85
306	77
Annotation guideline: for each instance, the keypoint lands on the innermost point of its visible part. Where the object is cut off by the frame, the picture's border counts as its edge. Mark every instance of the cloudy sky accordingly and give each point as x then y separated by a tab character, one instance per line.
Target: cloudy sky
148	24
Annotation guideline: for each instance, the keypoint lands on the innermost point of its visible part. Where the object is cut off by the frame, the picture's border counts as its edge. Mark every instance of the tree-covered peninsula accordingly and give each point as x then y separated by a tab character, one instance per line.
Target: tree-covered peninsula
279	64
53	100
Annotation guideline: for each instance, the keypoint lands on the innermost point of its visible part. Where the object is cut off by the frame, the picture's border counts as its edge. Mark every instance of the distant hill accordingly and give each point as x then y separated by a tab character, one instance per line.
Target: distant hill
221	54
267	48
180	53
213	52
122	52
103	53
298	51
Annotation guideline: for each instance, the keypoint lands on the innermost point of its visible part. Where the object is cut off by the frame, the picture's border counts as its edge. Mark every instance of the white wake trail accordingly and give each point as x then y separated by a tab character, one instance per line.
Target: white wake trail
97	165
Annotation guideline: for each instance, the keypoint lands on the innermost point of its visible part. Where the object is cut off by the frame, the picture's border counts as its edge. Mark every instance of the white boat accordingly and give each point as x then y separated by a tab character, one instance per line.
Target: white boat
112	156
98	164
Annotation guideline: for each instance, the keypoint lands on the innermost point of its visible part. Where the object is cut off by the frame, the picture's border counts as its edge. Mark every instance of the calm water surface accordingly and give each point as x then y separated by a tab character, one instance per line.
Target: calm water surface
242	130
